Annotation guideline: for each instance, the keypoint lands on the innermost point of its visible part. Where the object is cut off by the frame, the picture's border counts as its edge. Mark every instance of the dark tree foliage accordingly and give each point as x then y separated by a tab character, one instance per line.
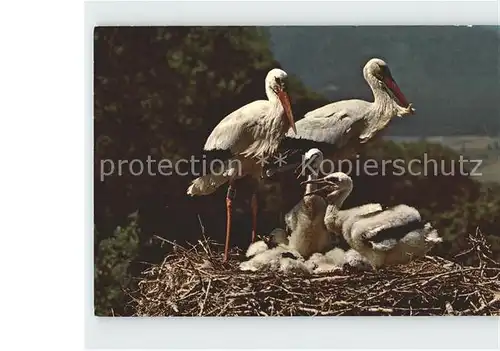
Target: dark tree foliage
113	258
158	92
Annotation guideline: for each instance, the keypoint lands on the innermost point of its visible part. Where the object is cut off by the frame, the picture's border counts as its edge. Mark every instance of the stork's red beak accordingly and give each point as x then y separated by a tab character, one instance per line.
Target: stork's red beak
391	84
285	102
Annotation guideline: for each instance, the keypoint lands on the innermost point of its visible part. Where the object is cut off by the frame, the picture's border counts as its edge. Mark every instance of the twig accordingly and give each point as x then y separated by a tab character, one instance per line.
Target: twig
205	299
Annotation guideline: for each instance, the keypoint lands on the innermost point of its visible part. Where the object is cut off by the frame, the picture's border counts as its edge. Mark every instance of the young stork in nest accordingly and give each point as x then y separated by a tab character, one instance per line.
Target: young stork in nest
306	219
274	254
384	237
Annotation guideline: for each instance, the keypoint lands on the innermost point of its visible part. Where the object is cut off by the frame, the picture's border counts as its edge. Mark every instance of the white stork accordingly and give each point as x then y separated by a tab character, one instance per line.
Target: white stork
384	237
250	133
341	128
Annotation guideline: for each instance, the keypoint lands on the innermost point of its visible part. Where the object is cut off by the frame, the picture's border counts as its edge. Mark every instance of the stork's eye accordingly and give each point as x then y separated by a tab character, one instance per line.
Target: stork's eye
335	179
385	72
378	72
278	81
280	84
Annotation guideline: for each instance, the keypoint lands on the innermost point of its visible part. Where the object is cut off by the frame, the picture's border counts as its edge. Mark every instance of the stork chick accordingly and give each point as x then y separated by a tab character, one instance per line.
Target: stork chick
277	237
384	237
279	258
306	219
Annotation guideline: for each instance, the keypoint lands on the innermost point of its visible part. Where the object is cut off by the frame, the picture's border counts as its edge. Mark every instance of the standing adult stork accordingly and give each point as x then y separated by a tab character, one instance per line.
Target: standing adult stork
250	134
342	128
384	237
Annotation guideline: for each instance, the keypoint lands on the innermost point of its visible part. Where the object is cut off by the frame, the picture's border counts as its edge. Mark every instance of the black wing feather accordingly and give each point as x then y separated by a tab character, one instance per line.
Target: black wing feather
397	232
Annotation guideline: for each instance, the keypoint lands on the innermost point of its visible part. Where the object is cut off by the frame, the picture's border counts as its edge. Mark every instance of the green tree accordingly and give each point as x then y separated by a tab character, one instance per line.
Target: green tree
113	257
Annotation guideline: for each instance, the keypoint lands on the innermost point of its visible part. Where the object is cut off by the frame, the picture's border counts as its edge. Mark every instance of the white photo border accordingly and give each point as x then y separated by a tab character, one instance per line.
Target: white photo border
326	332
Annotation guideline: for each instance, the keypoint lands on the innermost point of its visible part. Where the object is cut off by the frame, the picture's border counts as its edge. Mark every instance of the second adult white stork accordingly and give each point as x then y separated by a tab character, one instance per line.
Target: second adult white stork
342	128
250	133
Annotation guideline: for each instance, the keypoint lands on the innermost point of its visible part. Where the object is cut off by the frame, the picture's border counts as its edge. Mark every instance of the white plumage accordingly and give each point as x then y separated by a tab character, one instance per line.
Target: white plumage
329	262
278	237
287	260
252	131
354	259
256	248
273	259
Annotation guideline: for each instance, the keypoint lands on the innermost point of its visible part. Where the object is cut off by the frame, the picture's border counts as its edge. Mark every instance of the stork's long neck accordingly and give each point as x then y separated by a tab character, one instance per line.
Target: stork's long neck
337	199
277	109
384	107
311	187
272	127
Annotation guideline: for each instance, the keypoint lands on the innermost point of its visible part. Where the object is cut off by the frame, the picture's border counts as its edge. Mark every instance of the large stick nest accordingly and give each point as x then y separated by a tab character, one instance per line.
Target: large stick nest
195	282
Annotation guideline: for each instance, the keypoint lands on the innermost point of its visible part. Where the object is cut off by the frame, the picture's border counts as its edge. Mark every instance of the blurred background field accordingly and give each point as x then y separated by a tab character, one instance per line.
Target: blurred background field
472	147
159	91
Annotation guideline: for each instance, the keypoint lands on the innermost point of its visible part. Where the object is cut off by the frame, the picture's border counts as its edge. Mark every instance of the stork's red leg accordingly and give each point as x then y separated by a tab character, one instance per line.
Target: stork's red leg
254	216
231	193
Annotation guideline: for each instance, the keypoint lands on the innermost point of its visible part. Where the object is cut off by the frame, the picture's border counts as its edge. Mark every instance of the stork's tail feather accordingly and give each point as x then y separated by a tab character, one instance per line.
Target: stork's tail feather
206	184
